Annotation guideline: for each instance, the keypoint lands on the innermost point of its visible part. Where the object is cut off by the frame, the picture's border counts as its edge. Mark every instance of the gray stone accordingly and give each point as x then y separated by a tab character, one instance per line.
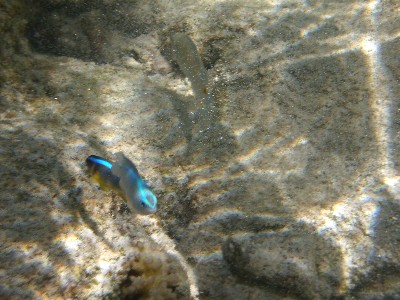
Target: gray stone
294	260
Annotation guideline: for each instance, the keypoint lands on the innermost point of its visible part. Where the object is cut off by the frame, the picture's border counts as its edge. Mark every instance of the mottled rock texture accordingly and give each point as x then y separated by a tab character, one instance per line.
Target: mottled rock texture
295	259
289	188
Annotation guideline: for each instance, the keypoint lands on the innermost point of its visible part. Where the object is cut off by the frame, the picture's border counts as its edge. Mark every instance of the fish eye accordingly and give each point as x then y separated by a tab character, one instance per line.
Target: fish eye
143	204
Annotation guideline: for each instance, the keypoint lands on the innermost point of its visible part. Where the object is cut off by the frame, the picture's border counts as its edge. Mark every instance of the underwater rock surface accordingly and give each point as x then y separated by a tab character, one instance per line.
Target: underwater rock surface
294	260
288	188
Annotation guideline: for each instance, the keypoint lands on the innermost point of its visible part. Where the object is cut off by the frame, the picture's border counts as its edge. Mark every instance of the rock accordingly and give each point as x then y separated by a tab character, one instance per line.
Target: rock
294	260
289	187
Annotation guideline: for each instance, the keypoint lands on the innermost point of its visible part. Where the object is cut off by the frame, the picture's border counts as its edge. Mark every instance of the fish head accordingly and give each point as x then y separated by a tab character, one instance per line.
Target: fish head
144	201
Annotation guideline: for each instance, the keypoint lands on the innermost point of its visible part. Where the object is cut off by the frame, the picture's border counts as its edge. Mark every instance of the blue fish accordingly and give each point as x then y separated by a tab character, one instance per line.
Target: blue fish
123	178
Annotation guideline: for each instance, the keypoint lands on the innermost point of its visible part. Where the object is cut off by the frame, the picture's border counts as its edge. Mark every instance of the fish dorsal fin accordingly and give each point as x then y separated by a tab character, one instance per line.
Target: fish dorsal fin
125	162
